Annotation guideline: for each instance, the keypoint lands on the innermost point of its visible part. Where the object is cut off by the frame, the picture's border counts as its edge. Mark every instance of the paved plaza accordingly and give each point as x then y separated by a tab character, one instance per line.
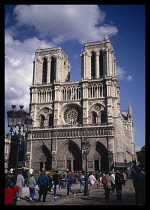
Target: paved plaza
95	198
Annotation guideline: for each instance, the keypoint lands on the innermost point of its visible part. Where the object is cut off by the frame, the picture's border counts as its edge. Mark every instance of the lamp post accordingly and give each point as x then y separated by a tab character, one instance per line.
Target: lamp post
85	151
17	118
110	156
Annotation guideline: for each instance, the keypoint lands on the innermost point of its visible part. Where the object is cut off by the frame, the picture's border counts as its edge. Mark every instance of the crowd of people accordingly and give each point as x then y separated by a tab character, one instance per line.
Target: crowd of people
53	181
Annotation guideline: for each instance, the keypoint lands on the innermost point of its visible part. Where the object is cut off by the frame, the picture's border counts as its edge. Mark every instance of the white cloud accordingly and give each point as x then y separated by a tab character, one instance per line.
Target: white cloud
18	68
122	74
65	22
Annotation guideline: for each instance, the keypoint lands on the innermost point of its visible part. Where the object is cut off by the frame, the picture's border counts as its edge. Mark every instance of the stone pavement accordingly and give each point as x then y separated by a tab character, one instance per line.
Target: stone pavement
95	198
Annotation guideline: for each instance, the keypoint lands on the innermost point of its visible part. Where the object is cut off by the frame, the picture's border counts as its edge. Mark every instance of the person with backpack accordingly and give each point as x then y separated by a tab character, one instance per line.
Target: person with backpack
70	181
119	181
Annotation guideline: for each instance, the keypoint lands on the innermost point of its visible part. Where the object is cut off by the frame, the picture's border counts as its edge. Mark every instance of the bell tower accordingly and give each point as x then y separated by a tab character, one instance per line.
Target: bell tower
50	65
98	60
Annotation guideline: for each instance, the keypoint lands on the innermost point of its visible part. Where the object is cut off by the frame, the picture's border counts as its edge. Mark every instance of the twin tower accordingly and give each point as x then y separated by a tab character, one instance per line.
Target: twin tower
51	65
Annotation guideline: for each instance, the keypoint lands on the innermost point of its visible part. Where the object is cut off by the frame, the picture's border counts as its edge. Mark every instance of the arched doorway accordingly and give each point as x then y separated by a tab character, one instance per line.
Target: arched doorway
104	161
69	156
43	158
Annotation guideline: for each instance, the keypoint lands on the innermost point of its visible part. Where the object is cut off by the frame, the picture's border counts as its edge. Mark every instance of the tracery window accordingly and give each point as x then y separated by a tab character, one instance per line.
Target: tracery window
72	115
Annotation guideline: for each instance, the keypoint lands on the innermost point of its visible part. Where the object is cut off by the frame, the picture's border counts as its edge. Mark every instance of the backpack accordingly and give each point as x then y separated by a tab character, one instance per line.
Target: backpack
120	178
104	180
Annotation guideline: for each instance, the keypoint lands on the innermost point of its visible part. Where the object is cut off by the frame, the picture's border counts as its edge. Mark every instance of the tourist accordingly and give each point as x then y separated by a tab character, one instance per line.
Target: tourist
31	185
119	181
91	180
20	183
56	183
10	189
82	181
139	186
113	186
43	183
109	180
49	189
70	181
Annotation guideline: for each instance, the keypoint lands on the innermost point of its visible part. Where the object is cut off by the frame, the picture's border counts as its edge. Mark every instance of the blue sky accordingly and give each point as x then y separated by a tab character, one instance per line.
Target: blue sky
70	26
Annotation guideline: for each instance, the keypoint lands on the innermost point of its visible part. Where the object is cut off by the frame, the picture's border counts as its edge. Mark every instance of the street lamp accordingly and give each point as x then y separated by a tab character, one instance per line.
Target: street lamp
110	156
17	118
85	151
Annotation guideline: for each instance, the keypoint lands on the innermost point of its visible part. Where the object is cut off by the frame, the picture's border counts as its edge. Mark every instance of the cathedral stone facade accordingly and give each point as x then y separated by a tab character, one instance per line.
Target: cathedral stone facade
67	112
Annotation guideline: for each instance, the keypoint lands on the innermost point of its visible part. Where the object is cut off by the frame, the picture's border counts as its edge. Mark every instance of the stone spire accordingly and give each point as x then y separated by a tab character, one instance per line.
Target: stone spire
129	110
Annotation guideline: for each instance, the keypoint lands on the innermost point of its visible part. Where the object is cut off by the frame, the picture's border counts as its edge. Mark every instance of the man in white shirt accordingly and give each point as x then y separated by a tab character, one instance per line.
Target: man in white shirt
91	180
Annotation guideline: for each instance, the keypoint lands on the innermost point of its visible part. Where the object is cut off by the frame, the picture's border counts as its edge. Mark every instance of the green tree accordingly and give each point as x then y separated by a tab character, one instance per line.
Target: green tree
141	156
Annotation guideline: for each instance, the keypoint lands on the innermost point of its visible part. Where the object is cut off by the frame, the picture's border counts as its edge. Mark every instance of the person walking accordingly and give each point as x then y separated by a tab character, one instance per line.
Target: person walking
49	189
125	178
56	183
139	186
109	180
113	186
82	181
20	183
70	181
31	185
91	180
119	181
43	183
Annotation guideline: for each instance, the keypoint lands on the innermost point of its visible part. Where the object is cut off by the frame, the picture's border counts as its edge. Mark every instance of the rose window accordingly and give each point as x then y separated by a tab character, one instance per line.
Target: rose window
72	115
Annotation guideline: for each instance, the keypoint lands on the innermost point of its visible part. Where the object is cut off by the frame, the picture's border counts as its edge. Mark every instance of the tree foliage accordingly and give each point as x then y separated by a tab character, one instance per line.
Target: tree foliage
141	156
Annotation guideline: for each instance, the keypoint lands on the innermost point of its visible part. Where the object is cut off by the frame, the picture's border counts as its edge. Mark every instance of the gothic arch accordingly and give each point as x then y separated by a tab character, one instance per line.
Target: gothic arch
102	150
42	155
44	71
96	108
70	151
53	69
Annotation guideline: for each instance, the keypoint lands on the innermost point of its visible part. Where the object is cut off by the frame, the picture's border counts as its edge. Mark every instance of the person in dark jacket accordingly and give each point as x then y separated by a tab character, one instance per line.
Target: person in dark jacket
56	183
139	186
43	183
119	181
70	181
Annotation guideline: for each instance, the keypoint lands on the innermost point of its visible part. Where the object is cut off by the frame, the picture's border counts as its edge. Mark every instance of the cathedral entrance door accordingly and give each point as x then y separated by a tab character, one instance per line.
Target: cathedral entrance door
69	165
96	164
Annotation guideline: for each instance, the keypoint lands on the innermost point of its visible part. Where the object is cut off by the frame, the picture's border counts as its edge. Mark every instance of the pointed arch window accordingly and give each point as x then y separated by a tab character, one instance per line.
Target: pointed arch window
50	120
101	64
94	118
103	117
93	65
44	73
53	69
42	122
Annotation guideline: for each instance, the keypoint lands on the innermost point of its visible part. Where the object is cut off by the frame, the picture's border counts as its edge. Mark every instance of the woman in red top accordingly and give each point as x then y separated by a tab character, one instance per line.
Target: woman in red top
9	194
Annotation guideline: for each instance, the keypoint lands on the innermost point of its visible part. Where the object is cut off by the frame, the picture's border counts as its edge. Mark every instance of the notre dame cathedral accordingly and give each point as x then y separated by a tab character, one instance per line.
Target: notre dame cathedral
67	112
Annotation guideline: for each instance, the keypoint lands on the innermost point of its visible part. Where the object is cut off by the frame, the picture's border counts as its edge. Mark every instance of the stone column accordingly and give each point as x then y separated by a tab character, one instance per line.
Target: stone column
54	153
